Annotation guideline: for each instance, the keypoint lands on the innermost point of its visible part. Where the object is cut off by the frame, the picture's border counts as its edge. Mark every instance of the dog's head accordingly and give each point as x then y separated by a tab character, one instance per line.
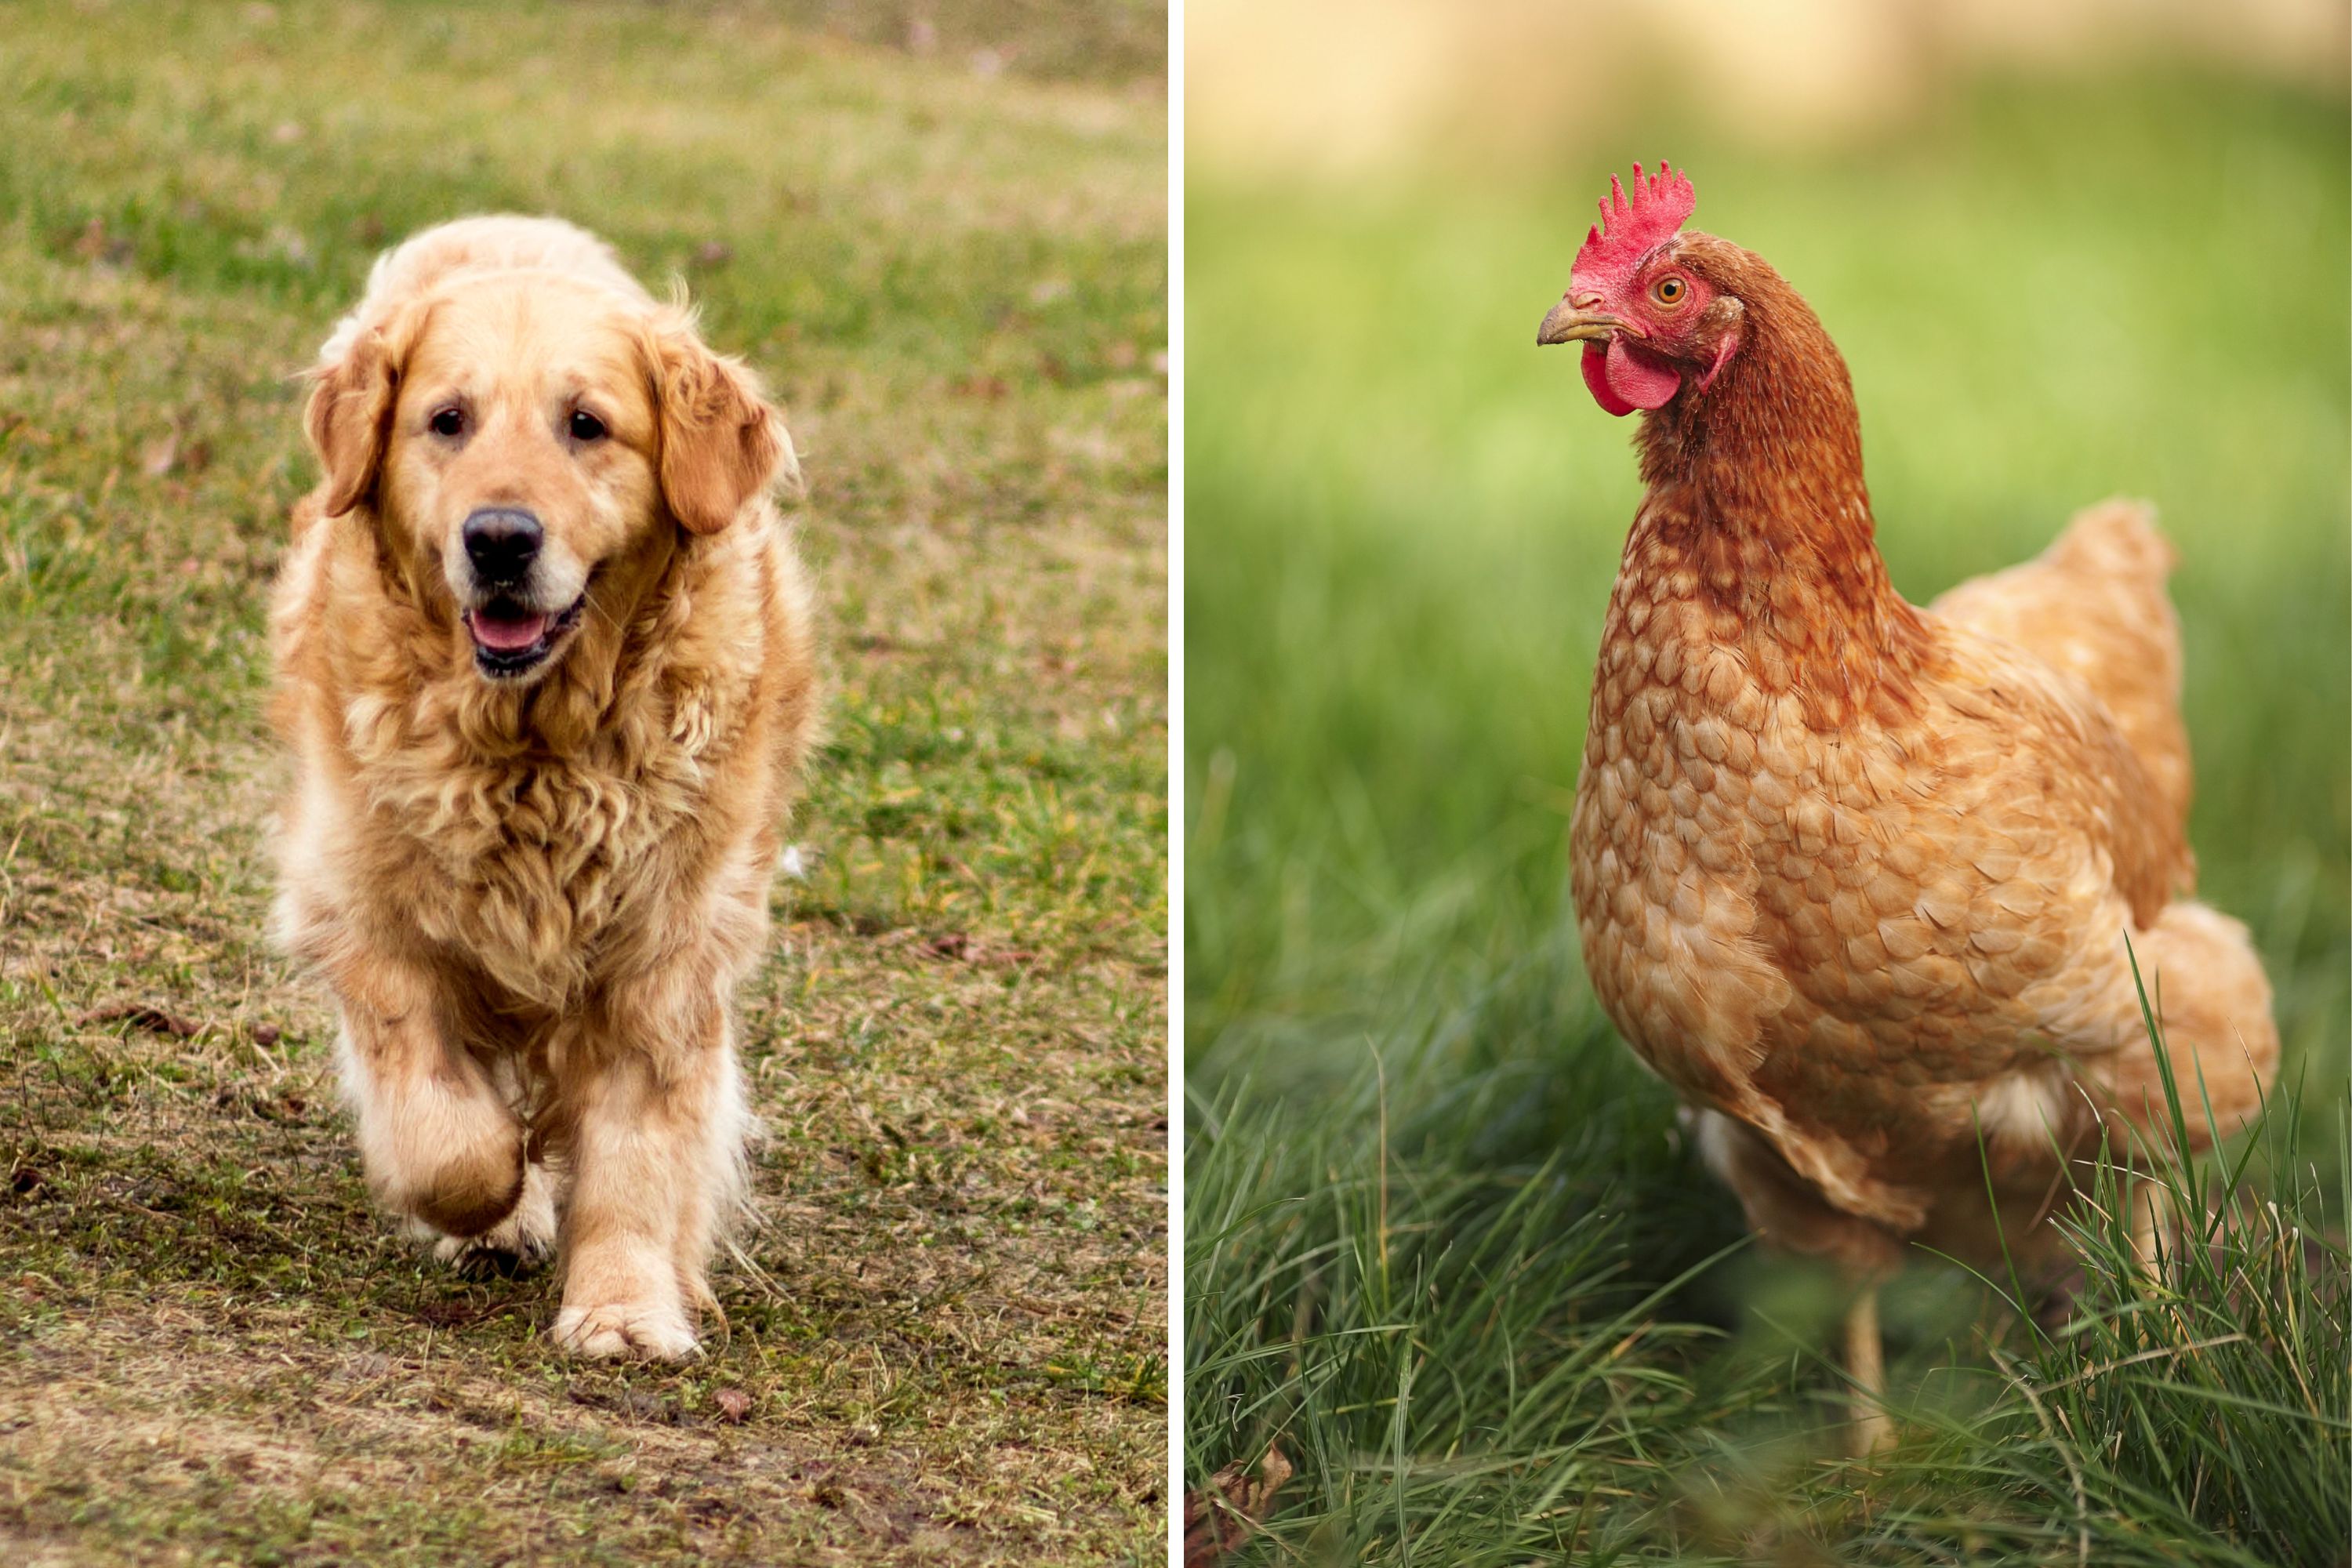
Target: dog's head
517	435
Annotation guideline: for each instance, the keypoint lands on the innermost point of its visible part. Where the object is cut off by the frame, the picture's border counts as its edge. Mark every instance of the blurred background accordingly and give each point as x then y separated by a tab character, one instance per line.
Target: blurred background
2070	248
1365	90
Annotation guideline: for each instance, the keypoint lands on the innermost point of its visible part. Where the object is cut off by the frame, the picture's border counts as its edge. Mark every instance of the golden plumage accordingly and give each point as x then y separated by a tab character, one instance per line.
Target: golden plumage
1856	878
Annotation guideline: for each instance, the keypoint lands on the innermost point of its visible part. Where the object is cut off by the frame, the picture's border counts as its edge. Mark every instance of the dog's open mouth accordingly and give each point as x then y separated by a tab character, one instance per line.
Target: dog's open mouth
510	640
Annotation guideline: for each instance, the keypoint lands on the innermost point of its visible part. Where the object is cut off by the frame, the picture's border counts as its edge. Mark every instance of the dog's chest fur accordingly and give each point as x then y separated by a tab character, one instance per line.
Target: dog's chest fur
532	862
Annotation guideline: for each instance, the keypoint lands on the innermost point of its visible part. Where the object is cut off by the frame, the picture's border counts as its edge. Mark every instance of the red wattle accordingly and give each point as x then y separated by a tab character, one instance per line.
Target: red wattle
1640	379
1596	379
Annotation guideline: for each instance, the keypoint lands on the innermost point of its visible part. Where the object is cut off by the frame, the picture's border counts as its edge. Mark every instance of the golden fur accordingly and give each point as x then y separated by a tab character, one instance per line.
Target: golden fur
533	893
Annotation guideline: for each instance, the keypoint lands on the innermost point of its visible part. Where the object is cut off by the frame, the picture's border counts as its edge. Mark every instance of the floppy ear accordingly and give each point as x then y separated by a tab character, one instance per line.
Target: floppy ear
721	445
351	414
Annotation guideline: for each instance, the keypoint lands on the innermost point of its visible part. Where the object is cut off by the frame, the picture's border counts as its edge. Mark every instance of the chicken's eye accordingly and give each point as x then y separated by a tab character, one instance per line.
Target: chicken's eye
1669	290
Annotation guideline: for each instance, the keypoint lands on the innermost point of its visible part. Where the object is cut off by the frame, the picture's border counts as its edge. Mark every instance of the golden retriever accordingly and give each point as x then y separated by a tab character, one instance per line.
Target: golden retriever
544	660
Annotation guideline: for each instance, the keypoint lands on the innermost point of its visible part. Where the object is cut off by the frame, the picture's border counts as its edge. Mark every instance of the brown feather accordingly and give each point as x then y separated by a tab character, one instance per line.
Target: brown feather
1856	877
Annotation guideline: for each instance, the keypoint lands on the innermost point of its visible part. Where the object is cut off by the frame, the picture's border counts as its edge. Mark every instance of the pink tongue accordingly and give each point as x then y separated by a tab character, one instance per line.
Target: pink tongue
1641	379
506	636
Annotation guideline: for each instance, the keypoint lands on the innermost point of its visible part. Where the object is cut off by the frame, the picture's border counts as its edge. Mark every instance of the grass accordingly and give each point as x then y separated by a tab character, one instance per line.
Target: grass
1445	1248
945	1342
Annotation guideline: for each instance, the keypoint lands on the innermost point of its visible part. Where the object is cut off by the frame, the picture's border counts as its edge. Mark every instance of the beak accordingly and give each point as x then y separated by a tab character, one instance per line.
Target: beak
1567	325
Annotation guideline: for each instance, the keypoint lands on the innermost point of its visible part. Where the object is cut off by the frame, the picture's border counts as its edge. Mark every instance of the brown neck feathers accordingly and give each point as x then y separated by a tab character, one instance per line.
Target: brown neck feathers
1755	495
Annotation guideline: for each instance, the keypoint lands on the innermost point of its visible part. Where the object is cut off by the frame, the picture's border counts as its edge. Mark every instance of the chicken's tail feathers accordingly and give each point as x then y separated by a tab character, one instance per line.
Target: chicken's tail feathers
2094	605
2213	1001
2116	538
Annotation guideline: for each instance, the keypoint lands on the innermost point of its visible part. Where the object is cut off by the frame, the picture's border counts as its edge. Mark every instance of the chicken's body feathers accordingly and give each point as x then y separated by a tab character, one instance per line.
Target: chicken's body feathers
1863	881
2094	605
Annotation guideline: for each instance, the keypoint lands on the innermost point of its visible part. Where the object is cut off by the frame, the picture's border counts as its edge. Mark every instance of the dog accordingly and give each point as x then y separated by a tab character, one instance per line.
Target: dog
545	661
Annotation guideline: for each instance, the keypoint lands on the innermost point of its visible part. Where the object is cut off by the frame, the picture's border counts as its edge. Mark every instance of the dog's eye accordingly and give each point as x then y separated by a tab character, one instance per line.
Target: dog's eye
586	427
449	422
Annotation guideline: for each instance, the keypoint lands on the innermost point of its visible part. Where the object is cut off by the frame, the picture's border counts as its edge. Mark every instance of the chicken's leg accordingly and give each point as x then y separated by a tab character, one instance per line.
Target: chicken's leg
1865	1363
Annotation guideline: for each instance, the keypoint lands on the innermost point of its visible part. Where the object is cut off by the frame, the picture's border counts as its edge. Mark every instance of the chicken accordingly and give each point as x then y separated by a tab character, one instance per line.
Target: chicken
1857	878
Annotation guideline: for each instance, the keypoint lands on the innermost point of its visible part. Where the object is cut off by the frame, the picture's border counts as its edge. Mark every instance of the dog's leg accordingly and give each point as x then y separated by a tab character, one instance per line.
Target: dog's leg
522	1241
654	1129
437	1140
526	1238
714	1197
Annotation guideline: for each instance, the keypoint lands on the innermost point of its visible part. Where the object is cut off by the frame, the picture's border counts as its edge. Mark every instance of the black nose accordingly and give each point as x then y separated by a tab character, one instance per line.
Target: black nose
501	543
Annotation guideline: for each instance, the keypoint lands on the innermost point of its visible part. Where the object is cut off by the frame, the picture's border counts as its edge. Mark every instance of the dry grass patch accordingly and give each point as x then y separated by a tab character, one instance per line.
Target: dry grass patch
946	1338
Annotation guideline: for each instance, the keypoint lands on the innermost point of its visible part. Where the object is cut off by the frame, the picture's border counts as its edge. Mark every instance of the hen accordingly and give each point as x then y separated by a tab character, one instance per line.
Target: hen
1856	878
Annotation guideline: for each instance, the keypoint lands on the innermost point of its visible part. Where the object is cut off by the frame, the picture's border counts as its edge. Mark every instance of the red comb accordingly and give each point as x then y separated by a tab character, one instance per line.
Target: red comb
1629	229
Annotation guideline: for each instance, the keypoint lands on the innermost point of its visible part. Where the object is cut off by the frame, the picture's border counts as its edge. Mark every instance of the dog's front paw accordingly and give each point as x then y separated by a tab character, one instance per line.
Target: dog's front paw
517	1243
627	1329
443	1150
493	1255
